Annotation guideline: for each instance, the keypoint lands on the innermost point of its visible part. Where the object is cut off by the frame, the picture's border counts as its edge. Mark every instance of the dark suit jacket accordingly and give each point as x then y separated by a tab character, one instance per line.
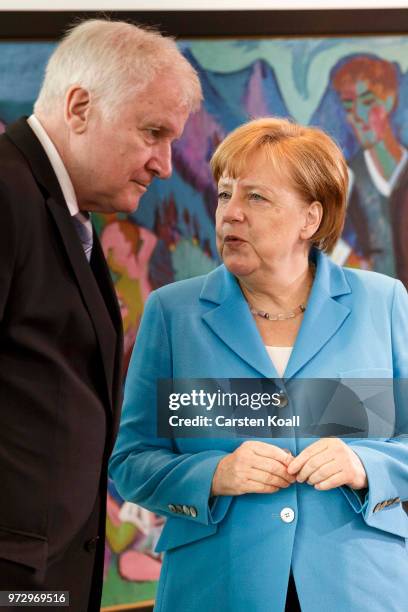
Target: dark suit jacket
60	387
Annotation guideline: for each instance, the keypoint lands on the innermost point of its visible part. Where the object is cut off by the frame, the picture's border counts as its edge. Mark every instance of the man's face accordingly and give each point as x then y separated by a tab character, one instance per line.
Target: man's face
366	112
113	161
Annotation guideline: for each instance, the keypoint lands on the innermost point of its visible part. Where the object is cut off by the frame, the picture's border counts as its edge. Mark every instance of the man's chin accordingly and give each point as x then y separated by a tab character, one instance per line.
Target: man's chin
128	205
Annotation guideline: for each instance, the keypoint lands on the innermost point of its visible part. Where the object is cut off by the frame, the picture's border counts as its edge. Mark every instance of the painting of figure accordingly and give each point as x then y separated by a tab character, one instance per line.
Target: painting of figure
368	88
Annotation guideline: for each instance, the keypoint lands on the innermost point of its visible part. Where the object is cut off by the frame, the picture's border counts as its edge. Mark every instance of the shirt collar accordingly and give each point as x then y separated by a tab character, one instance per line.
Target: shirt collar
385	187
57	164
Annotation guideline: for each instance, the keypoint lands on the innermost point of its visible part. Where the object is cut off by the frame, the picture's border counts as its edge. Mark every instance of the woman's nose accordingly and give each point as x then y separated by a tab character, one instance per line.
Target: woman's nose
233	210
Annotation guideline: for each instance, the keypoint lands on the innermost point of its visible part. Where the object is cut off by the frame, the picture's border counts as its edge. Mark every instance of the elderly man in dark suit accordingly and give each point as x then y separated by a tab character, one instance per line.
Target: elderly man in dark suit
114	98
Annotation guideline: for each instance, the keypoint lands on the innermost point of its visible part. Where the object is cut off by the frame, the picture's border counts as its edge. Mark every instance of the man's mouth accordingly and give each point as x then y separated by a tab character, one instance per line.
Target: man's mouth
143	186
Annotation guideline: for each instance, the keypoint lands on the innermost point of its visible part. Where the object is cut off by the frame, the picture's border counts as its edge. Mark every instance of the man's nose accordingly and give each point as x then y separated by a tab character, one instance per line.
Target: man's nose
357	112
160	163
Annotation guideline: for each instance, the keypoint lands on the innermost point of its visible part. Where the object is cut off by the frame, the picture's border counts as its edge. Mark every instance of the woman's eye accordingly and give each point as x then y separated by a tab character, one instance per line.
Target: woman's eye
256	196
223	195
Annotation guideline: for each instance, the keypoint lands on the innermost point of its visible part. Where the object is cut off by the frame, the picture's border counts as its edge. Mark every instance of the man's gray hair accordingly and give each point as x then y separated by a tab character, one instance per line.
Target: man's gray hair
114	60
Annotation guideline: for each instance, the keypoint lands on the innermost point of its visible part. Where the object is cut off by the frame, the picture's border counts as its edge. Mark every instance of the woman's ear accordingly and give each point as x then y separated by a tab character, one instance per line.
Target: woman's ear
313	218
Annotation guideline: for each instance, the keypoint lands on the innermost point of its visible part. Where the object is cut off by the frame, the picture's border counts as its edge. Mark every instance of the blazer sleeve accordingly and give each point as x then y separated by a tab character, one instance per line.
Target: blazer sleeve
8	247
146	469
386	462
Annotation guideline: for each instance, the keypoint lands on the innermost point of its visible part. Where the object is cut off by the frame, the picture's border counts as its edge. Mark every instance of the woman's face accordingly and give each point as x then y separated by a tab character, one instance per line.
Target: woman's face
261	221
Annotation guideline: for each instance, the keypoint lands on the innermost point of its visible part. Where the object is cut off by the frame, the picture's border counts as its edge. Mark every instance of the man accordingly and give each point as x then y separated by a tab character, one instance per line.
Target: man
114	98
368	89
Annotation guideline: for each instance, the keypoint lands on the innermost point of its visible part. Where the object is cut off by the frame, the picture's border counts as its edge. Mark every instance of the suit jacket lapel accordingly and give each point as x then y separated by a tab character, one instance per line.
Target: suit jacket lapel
324	315
23	137
232	321
103	276
88	287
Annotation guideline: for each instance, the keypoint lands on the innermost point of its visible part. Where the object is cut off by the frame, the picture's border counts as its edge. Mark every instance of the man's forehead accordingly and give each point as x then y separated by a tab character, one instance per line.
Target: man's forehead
354	89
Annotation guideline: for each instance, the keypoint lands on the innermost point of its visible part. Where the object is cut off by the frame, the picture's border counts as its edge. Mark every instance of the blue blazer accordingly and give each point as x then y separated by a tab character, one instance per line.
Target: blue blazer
233	554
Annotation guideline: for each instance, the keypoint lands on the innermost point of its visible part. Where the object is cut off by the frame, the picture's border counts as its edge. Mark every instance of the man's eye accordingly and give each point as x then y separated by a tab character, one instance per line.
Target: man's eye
224	195
152	133
368	101
347	105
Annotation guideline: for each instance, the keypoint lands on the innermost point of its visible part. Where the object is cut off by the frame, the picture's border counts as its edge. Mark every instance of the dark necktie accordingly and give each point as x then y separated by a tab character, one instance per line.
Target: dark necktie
84	233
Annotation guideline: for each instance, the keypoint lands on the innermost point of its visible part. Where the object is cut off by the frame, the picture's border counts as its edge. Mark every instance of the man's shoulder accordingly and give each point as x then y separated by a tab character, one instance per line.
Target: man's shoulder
17	182
14	168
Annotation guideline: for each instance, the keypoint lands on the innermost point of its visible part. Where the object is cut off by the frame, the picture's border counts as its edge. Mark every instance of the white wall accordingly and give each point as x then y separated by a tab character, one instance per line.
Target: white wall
150	5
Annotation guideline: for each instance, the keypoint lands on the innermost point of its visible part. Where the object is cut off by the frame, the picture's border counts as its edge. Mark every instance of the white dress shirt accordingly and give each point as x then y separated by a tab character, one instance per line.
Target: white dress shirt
62	175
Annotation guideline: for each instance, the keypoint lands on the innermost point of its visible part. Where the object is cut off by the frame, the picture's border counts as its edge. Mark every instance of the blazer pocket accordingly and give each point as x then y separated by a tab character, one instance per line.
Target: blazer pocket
178	532
25	548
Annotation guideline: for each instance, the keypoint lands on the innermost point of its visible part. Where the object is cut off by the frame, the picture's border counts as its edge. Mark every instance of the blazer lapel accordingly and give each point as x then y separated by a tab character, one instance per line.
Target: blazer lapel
23	137
324	315
232	321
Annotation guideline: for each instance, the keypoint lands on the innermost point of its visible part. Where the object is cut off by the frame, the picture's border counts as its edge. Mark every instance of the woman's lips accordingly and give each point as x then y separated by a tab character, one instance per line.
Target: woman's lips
234	241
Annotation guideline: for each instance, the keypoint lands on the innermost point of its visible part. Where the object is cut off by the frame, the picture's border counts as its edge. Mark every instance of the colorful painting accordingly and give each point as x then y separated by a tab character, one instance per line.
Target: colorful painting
358	96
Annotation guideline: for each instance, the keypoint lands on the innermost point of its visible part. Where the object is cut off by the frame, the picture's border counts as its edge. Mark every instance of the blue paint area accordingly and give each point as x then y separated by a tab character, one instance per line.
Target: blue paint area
330	116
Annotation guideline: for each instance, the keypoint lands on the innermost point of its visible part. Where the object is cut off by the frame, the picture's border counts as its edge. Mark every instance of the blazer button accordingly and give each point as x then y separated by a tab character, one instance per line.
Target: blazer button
287	515
179	509
91	544
283	399
193	512
172	508
186	510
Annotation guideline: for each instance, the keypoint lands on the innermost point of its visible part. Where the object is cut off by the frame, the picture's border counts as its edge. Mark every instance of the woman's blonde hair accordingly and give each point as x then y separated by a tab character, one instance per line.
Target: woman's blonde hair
306	156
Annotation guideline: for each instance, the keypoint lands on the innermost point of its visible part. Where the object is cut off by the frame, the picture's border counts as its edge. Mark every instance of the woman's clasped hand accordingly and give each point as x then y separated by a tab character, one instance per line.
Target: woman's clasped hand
259	467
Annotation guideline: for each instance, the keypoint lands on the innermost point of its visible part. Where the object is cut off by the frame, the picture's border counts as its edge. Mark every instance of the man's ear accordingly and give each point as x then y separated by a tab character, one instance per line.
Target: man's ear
77	108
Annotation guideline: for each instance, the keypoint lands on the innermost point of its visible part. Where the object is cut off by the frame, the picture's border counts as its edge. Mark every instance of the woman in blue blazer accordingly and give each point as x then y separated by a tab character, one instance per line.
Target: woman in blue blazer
273	524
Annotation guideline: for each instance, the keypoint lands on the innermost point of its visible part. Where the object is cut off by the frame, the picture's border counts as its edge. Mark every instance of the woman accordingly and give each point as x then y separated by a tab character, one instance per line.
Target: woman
254	524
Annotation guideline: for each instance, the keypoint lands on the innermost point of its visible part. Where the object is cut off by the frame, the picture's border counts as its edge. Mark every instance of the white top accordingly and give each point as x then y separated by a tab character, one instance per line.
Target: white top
279	356
62	175
385	187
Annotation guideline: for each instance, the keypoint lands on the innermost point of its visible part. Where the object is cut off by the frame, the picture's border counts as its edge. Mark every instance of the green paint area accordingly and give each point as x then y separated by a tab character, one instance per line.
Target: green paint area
118	591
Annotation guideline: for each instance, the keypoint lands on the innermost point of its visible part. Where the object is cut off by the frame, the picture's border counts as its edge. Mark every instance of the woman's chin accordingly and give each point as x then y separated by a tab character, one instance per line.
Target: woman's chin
239	268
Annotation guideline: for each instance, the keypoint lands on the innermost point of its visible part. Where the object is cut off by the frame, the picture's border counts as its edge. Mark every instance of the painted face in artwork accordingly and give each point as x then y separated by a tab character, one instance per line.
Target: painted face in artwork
366	111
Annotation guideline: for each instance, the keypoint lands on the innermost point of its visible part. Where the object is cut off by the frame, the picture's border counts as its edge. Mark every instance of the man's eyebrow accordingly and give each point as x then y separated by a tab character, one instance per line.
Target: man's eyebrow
366	94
